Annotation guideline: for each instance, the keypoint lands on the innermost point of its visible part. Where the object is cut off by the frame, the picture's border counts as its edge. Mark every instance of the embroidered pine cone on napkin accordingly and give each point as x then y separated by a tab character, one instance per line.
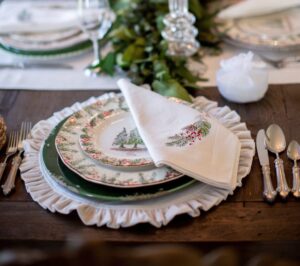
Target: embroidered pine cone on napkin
2	132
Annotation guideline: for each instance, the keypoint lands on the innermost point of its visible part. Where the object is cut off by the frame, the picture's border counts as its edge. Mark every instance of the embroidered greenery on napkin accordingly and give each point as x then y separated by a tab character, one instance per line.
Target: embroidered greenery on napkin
139	49
190	134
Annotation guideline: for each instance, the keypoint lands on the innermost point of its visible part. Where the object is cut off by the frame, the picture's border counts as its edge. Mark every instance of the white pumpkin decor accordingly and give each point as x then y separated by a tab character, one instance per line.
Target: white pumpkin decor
242	79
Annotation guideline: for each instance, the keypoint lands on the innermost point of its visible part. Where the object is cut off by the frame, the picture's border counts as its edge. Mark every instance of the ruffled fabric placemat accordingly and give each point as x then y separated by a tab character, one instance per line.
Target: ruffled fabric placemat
159	211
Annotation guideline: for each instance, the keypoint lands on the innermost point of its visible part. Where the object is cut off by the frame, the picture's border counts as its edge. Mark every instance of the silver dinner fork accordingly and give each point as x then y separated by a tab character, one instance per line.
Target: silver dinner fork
10	181
10	150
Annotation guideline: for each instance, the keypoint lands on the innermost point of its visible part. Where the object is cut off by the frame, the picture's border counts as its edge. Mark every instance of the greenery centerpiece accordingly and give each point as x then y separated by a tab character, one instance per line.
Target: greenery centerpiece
140	50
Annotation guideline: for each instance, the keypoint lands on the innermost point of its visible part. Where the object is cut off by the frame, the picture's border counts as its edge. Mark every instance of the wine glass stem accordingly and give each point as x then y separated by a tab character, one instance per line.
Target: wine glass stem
96	47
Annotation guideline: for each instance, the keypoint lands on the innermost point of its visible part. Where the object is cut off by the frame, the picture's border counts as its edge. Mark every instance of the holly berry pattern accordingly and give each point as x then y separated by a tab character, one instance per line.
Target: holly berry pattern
190	134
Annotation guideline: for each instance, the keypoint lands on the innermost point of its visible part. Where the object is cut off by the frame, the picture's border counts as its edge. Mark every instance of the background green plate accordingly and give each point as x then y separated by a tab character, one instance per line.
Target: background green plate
70	180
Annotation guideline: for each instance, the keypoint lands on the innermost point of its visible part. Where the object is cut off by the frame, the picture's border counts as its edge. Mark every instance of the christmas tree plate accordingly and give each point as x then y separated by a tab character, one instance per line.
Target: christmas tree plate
112	138
51	164
71	154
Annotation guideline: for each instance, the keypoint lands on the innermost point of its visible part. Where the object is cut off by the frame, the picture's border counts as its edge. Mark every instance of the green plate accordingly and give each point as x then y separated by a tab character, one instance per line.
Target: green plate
68	50
70	180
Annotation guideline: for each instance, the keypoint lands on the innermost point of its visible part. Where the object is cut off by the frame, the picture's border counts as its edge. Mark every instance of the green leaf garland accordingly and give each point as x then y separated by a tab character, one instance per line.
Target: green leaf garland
140	51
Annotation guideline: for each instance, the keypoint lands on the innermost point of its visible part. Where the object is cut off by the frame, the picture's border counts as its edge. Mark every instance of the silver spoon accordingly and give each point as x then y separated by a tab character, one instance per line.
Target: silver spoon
276	143
293	153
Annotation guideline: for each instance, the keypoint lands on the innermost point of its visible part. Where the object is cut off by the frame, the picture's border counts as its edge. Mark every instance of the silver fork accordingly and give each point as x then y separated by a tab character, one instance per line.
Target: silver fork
10	150
10	181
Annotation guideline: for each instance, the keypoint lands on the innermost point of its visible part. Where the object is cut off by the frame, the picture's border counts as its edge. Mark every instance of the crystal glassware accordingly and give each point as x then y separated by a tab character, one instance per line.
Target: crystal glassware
95	18
179	30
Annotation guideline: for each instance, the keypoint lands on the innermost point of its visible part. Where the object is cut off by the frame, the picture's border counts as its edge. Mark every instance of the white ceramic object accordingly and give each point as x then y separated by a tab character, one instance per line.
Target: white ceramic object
241	79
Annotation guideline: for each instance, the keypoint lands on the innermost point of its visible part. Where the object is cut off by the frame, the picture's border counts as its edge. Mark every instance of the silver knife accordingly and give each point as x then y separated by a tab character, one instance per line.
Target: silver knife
269	192
35	65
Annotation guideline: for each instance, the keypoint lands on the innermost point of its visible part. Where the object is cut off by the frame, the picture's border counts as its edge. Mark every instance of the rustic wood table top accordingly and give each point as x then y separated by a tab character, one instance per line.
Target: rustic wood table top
243	217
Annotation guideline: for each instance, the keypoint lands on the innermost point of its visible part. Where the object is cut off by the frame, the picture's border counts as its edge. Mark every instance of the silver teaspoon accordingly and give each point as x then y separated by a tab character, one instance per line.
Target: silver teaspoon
293	153
276	143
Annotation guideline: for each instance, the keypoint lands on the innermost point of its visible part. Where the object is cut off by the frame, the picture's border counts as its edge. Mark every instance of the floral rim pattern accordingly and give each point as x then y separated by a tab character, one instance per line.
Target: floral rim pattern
70	152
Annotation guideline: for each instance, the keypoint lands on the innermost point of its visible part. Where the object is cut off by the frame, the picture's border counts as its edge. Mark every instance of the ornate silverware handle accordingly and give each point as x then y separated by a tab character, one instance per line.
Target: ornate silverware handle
296	181
2	168
269	192
282	186
10	181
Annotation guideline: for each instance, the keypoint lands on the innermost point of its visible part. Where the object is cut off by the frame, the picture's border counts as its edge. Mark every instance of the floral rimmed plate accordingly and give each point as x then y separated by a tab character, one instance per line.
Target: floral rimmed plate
45	37
276	32
63	52
69	150
43	42
112	138
62	175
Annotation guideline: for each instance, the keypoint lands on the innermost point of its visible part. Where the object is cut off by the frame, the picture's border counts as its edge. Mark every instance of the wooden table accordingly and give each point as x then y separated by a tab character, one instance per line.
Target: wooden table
244	219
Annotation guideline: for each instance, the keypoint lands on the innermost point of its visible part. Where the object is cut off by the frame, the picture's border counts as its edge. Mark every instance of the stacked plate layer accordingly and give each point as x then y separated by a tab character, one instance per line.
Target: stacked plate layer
97	152
41	30
90	159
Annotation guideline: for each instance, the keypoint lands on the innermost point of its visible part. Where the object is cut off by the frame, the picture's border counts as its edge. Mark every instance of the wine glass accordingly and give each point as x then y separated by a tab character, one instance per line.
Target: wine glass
95	18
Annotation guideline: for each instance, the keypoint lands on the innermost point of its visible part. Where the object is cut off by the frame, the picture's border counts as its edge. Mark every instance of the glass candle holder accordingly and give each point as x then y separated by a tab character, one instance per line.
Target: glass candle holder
179	30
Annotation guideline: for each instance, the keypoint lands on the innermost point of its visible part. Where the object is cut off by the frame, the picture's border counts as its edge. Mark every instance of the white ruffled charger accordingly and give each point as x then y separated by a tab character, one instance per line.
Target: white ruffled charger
159	211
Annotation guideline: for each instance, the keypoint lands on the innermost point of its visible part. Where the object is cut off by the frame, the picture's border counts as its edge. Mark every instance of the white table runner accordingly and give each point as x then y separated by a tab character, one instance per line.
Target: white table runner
54	79
74	79
51	79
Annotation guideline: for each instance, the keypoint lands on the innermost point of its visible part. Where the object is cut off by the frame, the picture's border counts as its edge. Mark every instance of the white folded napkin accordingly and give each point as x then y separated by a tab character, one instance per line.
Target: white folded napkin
35	18
183	138
249	8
